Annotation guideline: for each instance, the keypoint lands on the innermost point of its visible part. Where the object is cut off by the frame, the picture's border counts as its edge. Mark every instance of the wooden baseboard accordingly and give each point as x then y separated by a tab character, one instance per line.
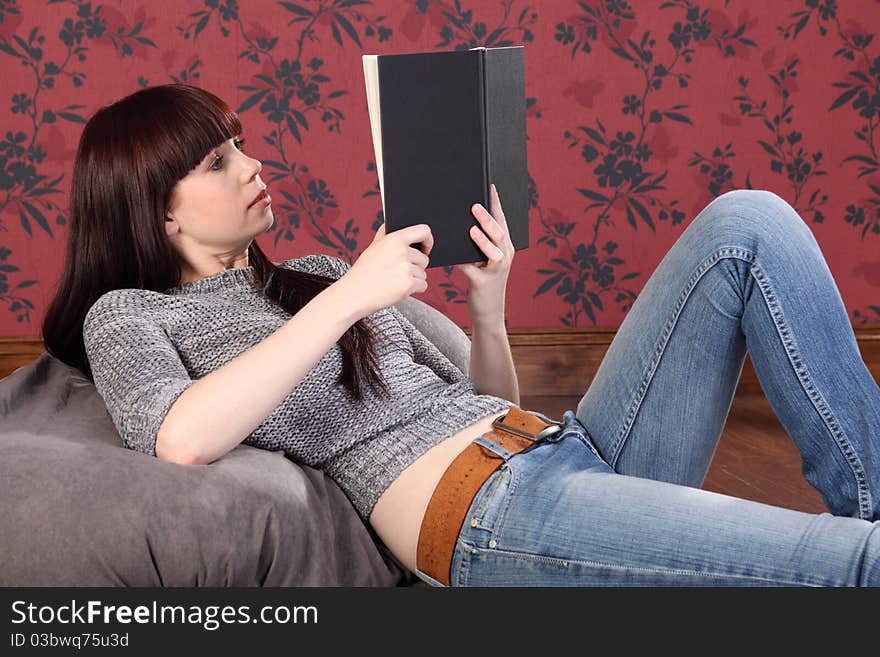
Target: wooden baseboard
17	352
548	361
563	361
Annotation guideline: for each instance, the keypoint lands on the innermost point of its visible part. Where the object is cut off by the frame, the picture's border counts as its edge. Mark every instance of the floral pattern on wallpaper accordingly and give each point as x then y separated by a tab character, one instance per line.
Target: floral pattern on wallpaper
626	112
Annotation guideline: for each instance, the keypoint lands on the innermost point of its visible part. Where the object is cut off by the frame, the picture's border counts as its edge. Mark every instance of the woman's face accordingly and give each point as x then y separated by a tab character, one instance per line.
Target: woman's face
211	220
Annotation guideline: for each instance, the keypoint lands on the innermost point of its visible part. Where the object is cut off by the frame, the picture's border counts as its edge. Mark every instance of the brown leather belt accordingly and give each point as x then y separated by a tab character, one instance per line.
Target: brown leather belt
461	481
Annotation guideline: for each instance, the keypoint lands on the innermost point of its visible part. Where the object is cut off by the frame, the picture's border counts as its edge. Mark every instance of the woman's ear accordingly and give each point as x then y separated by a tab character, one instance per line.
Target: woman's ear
171	225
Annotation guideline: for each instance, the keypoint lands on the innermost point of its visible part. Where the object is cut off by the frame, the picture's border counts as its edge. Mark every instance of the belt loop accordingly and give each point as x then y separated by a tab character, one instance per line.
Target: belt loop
511	433
498	449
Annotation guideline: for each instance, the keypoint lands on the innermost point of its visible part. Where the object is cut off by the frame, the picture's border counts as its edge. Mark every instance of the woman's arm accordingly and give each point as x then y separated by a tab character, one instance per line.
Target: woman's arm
221	409
491	365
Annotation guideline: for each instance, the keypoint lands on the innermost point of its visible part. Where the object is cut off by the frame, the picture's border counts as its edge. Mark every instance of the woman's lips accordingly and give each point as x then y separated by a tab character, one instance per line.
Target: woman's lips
262	201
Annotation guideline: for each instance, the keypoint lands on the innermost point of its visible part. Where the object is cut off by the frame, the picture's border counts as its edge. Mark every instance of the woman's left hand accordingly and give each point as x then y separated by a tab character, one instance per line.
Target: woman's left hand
488	280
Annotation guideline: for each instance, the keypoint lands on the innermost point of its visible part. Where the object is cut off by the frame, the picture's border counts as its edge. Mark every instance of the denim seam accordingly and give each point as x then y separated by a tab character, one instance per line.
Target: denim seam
525	556
460	578
719	254
479	514
587	443
813	393
496	531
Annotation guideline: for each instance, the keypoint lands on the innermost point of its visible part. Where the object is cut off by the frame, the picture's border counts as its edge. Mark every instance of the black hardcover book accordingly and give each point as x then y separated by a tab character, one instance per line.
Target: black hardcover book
445	125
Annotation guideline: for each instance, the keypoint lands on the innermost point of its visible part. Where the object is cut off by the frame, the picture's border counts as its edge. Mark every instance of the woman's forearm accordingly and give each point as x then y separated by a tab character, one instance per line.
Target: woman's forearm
491	365
221	409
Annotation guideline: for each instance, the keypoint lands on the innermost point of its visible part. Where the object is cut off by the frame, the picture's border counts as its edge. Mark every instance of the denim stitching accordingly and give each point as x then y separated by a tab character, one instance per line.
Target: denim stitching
496	532
713	259
460	578
525	556
586	442
467	546
483	501
813	393
791	350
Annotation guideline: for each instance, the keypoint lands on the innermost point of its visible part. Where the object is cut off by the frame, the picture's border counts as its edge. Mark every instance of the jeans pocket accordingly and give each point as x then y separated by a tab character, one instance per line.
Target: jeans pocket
488	505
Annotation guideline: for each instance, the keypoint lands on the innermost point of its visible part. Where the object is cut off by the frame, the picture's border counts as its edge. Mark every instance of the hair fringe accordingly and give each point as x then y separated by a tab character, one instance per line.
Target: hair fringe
130	156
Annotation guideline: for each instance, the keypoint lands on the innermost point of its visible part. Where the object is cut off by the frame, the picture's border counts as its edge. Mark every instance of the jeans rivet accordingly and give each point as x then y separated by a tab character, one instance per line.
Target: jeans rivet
492	543
473	522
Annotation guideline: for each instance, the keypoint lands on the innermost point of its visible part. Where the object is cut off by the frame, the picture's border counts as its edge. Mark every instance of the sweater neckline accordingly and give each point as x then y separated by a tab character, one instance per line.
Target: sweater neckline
228	279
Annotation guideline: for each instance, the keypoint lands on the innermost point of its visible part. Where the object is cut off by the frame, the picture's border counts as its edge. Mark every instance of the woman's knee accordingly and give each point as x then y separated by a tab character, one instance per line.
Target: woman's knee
760	212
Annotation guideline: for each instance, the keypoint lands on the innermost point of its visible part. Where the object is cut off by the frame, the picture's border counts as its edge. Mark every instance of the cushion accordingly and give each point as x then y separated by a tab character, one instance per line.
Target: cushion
81	510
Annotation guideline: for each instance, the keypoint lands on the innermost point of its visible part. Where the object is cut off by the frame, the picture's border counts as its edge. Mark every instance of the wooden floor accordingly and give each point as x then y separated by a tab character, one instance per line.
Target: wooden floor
755	458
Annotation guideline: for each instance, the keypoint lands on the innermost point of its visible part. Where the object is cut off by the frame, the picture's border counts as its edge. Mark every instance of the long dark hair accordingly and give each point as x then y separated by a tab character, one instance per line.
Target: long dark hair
131	155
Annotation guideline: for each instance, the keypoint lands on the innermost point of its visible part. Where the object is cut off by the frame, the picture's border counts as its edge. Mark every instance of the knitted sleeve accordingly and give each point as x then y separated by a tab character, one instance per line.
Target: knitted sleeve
425	352
136	369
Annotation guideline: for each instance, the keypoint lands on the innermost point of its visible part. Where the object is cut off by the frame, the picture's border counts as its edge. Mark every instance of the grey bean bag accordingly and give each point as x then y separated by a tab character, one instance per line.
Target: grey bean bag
79	509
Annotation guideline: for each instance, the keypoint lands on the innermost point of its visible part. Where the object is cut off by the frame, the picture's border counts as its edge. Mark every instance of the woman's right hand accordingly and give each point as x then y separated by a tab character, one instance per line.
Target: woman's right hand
389	269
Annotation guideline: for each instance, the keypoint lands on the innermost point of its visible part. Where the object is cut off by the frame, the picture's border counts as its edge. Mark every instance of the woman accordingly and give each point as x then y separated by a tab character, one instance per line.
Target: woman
197	343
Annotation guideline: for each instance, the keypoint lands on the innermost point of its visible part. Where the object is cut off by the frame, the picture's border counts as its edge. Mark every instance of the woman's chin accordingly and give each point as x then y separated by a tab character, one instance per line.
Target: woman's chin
270	219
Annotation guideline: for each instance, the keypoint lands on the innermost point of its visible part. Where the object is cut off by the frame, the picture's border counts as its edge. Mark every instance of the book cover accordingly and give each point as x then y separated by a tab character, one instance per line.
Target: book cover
444	126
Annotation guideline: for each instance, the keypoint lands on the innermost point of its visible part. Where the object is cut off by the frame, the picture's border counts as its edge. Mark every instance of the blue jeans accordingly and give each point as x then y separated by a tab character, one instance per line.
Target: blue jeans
614	498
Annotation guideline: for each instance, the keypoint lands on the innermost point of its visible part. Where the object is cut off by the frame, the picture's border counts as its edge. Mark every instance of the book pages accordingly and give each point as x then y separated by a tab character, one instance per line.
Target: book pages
371	81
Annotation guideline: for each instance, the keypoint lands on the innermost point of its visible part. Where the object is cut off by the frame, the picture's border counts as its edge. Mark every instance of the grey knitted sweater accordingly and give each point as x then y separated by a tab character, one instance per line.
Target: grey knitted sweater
145	348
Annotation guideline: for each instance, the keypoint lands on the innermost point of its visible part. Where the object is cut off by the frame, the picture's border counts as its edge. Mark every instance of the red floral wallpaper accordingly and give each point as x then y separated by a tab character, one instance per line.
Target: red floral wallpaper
639	113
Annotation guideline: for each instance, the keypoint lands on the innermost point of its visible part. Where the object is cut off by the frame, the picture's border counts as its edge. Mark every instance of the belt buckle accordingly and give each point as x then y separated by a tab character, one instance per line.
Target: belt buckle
498	423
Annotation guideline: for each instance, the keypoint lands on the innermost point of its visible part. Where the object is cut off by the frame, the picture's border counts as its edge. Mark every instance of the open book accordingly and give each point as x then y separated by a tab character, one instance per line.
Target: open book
445	125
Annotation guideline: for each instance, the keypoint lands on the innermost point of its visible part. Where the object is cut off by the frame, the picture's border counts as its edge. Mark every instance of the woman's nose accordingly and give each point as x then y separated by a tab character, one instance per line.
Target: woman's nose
255	167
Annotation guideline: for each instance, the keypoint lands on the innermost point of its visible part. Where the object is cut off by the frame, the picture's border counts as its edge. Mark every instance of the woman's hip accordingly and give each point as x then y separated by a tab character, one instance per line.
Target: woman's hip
558	515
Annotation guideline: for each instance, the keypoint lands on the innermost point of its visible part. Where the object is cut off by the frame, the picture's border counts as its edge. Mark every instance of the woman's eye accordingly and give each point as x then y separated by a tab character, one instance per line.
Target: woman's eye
218	159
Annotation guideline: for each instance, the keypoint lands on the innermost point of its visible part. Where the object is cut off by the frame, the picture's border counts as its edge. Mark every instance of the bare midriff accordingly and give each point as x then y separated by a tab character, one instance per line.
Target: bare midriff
397	515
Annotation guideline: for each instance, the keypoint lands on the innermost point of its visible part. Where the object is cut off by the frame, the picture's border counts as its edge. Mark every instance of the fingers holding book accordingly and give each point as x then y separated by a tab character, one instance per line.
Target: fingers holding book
488	280
494	239
495	204
419	236
390	268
